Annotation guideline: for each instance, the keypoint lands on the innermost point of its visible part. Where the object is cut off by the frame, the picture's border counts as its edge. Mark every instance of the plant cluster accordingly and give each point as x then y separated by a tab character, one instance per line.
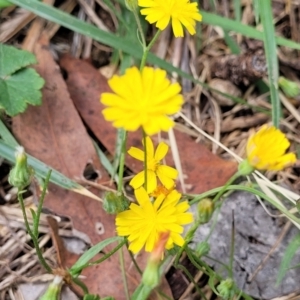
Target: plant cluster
144	99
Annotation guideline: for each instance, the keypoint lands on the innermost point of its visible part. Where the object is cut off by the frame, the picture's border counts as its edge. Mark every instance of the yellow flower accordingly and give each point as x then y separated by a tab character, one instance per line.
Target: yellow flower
144	222
182	12
266	150
144	99
166	174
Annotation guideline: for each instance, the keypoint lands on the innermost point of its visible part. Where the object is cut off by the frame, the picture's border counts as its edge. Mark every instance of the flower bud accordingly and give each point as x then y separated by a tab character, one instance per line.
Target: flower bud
290	88
20	174
151	275
53	290
114	203
226	289
245	168
202	248
205	210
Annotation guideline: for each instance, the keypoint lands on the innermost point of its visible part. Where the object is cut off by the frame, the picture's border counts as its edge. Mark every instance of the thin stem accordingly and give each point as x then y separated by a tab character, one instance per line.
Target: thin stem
147	49
122	162
121	256
33	237
140	28
224	188
145	159
110	253
36	221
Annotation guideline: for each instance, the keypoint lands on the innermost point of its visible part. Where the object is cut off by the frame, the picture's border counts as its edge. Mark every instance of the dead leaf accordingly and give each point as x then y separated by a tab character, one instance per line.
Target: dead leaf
204	170
54	133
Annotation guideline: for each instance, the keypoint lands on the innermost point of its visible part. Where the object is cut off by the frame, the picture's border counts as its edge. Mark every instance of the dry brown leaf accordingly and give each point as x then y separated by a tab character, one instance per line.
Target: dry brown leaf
204	170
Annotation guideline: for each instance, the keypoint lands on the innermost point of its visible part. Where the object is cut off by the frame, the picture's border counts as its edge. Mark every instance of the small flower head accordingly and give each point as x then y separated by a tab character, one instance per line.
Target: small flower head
166	174
144	222
266	150
180	12
20	175
142	99
226	289
205	210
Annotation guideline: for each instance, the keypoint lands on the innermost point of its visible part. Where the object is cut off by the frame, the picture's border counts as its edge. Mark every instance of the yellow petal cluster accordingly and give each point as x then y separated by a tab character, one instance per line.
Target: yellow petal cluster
142	99
144	222
182	13
155	169
266	150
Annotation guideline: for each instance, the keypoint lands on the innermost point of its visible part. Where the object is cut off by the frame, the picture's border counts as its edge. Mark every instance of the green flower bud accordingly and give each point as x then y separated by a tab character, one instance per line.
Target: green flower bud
205	210
226	289
53	291
4	3
245	168
114	203
290	88
20	174
151	276
202	248
131	4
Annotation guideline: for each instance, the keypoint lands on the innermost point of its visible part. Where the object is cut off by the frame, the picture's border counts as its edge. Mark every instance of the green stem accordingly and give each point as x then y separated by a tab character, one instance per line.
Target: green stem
36	221
145	159
224	188
147	49
110	253
121	256
33	237
122	162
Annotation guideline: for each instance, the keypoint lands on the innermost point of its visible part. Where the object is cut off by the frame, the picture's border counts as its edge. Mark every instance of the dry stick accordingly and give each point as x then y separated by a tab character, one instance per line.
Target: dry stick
191	286
284	231
51	27
93	16
11	27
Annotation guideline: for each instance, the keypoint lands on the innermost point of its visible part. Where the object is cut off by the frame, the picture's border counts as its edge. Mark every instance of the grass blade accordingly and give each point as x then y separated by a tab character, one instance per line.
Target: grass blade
265	12
41	170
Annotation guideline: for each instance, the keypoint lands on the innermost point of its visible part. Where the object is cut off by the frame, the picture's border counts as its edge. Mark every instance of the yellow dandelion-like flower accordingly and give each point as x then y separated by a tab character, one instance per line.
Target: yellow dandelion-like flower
144	222
180	12
166	174
266	150
142	99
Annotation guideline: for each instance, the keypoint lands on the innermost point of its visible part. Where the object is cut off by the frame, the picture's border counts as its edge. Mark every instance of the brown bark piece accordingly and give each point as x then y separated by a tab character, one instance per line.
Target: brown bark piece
54	133
203	169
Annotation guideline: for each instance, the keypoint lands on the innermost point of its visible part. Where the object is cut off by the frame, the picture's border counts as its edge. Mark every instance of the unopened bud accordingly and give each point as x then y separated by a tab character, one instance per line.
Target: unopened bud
290	88
202	248
114	203
53	290
205	210
226	289
245	168
20	174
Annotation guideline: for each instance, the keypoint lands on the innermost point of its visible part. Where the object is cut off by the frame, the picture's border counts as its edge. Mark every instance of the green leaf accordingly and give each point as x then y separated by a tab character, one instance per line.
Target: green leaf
265	10
287	257
13	59
89	254
19	85
20	89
